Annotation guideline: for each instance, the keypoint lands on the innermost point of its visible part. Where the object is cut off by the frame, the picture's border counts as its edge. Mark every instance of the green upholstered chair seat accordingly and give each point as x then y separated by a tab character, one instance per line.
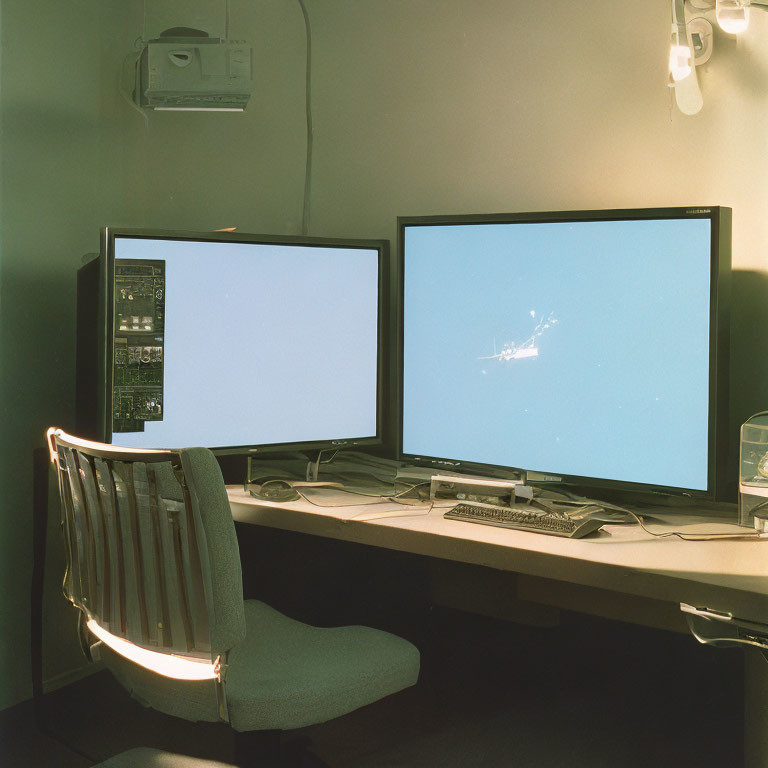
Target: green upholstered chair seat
144	757
189	700
287	674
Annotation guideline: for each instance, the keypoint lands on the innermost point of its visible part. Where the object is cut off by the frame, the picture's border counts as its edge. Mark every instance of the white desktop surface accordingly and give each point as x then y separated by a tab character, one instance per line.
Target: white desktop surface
726	575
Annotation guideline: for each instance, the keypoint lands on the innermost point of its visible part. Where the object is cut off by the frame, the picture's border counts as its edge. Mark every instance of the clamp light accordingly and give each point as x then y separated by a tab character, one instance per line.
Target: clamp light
732	15
682	66
692	39
679	61
680	56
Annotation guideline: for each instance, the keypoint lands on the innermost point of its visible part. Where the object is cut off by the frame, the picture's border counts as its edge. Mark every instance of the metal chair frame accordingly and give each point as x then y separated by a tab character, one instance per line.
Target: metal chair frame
137	564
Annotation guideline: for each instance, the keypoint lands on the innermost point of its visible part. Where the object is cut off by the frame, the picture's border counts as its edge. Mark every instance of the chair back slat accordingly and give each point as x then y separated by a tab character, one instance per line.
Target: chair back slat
162	608
134	620
201	576
115	575
141	530
98	539
83	573
198	581
177	522
154	586
137	555
173	609
67	524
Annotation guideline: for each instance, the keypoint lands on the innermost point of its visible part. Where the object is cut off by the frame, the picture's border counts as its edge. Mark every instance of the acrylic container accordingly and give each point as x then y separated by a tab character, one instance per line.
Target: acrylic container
753	467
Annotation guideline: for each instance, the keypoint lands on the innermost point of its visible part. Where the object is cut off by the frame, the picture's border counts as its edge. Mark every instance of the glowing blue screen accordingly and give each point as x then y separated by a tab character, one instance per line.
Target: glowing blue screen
264	343
578	348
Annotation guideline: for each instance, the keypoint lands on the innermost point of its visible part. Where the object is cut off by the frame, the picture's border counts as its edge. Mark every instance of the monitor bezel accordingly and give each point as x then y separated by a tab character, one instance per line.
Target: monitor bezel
718	487
109	235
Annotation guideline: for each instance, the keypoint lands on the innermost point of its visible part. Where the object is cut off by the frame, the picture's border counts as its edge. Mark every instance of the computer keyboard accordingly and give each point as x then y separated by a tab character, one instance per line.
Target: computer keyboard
524	518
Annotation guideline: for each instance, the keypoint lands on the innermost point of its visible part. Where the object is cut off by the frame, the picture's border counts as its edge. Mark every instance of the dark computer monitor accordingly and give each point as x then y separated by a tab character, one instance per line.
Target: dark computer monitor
590	346
231	341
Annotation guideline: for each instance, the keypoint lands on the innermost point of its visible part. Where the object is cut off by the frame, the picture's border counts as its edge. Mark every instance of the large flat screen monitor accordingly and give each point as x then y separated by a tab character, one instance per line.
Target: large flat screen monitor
590	346
232	341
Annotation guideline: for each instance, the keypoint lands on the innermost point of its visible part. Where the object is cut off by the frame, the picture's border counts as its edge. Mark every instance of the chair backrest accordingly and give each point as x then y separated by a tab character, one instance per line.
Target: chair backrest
150	546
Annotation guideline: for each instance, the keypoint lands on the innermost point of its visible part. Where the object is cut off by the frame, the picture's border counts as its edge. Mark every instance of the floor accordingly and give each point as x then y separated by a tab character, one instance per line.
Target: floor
588	693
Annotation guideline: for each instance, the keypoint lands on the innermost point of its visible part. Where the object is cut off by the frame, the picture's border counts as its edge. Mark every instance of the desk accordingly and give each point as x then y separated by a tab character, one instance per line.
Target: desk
724	575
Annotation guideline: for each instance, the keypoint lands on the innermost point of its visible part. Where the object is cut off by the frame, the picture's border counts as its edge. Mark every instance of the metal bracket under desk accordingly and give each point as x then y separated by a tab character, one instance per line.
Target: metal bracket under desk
723	629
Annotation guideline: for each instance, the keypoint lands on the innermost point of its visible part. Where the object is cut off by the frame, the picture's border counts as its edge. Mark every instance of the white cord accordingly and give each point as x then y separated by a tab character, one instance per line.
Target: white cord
313	467
703	536
365	516
305	218
379	499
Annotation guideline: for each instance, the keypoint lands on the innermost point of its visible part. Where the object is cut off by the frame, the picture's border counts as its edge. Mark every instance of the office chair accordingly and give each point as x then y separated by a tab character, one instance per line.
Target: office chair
154	568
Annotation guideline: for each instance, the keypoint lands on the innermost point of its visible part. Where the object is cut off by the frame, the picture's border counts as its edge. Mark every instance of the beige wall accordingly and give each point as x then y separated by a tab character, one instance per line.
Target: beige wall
420	106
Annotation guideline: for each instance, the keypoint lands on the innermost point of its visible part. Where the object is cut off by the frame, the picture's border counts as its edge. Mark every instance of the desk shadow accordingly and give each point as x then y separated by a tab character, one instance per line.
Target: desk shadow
749	363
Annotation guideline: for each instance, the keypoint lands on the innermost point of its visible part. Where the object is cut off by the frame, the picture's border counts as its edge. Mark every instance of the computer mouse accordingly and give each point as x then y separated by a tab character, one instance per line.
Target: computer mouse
275	490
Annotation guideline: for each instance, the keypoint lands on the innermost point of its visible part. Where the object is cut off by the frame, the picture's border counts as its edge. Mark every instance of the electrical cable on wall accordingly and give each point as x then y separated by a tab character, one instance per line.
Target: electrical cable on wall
308	111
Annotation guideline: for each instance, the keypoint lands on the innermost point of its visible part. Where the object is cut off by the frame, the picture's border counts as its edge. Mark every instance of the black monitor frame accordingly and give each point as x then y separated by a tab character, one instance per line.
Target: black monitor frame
95	320
718	486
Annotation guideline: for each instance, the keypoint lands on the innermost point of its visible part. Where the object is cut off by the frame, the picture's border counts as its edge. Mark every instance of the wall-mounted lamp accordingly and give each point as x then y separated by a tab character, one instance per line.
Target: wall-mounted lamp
732	15
680	51
692	42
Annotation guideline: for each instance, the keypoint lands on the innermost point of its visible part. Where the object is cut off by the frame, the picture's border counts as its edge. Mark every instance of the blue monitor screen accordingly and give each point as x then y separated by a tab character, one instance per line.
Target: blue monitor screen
243	343
578	348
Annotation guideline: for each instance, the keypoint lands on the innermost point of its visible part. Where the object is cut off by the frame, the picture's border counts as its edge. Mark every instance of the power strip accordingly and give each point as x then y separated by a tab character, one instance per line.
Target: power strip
449	486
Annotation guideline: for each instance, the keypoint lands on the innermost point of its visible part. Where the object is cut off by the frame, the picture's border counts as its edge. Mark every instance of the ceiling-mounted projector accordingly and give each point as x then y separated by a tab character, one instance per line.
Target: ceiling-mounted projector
185	69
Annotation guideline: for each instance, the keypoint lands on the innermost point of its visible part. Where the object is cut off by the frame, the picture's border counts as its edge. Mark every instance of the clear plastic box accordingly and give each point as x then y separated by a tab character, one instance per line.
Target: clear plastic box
753	467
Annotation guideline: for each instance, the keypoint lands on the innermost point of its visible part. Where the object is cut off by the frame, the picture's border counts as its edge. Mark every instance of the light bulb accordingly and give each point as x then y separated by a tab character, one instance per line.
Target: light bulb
732	15
679	61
